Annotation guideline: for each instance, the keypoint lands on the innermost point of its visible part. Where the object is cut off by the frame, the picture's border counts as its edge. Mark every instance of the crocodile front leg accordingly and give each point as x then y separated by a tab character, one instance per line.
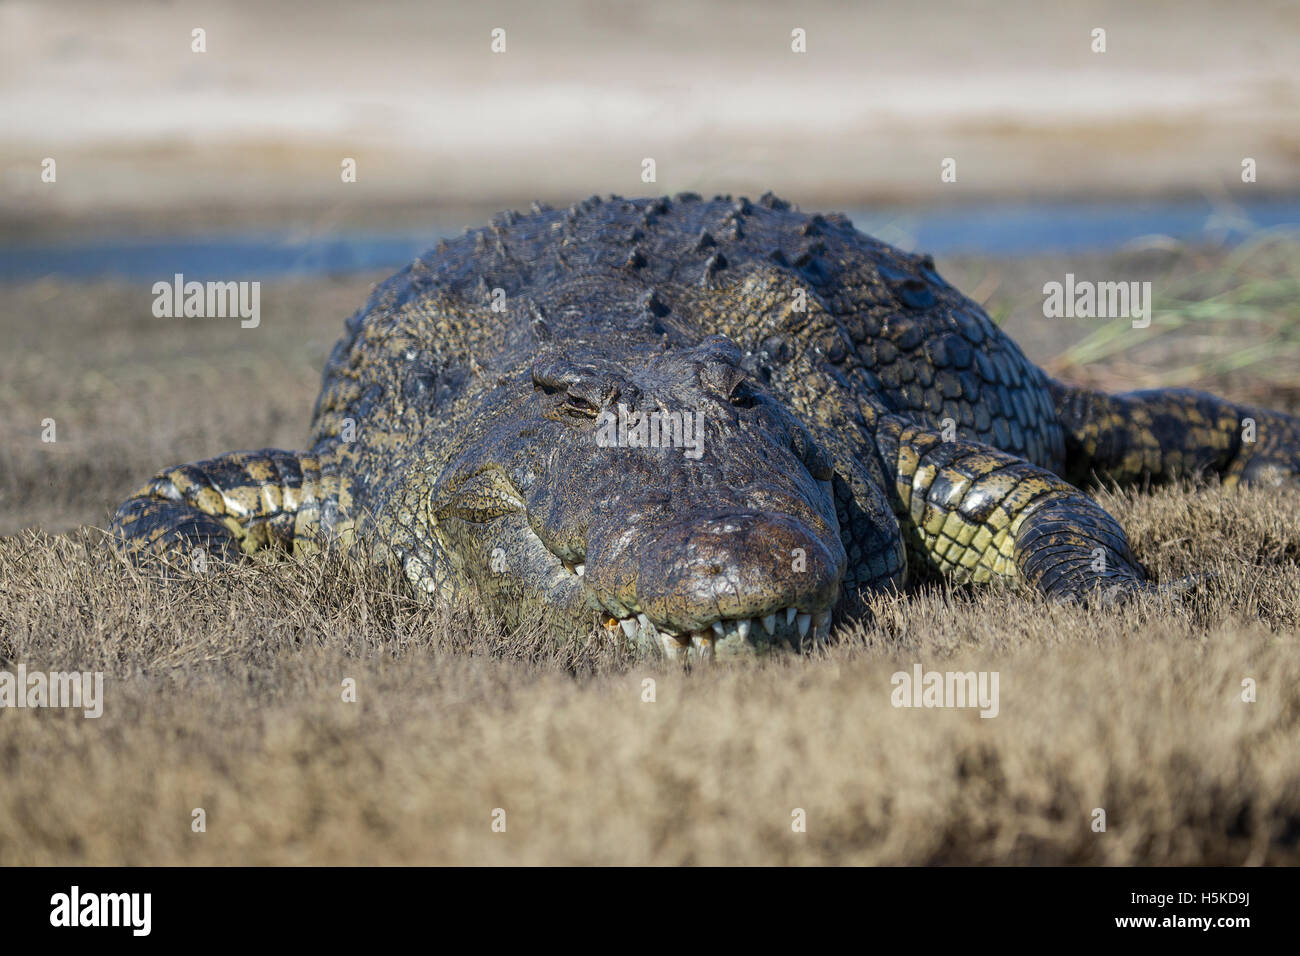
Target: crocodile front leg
973	513
231	505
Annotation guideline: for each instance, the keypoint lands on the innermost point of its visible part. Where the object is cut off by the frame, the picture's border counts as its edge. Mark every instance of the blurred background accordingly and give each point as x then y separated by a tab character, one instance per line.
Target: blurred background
153	138
226	165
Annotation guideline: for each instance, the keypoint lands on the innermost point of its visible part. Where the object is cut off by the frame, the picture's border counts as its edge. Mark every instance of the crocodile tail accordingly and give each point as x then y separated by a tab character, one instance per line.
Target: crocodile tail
1166	433
229	506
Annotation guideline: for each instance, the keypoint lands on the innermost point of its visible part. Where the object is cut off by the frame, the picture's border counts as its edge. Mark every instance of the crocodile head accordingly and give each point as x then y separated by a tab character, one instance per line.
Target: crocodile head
660	492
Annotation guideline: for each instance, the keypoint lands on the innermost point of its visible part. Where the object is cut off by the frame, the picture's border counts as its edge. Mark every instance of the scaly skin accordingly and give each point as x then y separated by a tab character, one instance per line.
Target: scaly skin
456	433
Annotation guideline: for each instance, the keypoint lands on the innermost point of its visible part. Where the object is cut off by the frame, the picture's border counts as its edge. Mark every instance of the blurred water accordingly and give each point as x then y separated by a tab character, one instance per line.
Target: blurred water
994	229
1031	228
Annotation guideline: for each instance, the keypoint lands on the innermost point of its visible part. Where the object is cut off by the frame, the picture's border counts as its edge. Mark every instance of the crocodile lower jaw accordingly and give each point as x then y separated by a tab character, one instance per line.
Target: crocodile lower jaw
788	629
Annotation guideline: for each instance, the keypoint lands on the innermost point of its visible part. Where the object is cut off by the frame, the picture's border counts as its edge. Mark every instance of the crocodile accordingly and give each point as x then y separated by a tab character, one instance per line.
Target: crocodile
705	428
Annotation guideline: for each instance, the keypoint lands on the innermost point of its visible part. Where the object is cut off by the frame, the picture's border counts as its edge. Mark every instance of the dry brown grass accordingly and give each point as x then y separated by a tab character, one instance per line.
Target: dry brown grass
223	691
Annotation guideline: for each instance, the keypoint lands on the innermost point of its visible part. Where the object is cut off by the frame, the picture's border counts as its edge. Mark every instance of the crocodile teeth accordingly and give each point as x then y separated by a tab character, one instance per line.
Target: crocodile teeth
673	648
579	569
728	637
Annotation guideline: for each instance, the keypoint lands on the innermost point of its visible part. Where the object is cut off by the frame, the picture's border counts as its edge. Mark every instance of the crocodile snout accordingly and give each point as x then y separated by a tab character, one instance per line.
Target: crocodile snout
717	584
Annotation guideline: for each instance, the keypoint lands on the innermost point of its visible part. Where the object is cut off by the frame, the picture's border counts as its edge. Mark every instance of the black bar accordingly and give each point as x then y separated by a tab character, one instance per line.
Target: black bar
303	905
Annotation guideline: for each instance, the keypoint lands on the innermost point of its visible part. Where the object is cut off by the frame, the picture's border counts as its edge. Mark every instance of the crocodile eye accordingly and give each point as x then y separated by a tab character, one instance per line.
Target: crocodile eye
741	395
579	406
